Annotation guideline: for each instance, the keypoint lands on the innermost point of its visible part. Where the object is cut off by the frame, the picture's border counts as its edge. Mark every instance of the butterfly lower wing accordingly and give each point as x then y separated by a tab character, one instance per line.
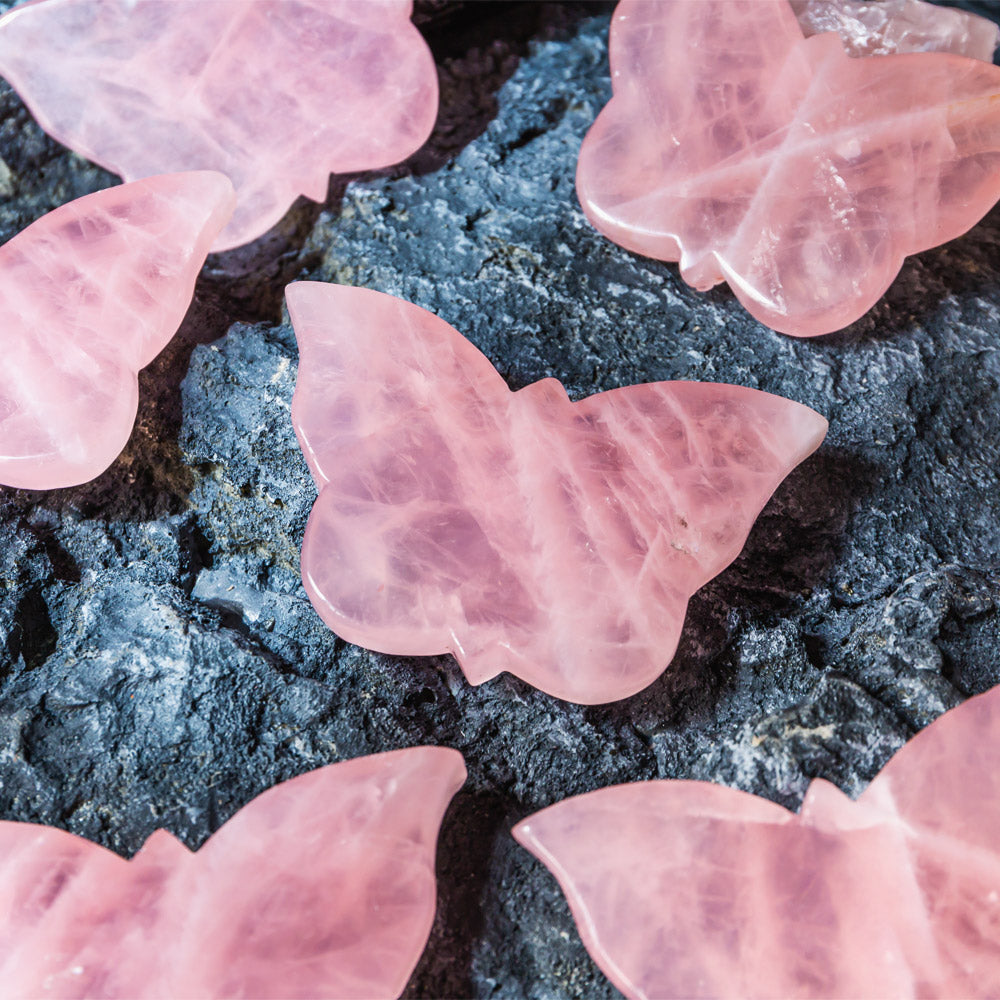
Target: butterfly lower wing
91	293
685	889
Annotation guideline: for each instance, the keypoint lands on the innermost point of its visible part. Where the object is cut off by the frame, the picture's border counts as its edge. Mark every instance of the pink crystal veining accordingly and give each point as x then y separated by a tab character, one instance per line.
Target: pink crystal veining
323	886
886	27
92	292
276	94
689	889
520	531
800	176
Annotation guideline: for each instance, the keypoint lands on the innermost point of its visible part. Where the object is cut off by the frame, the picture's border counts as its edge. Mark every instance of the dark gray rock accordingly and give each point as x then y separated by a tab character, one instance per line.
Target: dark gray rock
160	665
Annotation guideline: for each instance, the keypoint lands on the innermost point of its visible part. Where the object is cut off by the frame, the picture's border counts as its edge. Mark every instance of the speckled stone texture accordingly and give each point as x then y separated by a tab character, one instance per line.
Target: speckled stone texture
159	661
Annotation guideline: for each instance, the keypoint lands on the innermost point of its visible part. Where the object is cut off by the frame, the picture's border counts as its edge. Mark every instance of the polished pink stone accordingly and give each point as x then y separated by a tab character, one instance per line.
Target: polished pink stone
688	889
886	27
276	94
520	531
800	176
92	292
322	887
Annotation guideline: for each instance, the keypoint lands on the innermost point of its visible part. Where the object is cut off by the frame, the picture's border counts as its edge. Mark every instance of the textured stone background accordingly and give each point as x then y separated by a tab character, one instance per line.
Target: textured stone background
160	664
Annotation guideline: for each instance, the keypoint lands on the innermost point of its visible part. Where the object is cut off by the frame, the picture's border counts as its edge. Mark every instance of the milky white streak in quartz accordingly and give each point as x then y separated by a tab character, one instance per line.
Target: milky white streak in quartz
797	174
886	27
321	887
89	294
520	531
688	889
276	94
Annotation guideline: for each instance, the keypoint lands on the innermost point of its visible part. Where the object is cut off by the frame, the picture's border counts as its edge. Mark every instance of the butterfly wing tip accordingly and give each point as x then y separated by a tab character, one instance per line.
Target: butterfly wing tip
816	424
457	772
524	834
814	430
305	299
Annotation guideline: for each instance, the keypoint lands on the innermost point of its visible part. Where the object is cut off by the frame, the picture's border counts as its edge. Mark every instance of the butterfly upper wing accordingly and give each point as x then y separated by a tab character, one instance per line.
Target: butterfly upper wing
276	94
800	176
520	531
90	294
321	887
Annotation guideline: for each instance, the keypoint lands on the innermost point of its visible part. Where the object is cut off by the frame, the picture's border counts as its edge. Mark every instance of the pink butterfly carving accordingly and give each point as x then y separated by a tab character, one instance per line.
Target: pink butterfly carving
519	531
92	292
688	889
800	176
276	94
322	887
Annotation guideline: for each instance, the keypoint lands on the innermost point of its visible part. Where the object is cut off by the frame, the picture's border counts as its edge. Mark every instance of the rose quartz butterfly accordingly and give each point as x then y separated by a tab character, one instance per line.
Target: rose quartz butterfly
778	164
688	889
520	531
276	94
92	292
321	887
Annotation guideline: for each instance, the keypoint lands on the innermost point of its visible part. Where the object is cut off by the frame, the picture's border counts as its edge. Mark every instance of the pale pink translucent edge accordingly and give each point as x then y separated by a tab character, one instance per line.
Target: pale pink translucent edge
670	246
723	802
371	639
213	225
267	219
448	781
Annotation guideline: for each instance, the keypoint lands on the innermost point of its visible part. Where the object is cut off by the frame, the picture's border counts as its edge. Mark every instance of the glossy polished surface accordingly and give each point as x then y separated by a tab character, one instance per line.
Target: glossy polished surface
323	886
800	176
92	292
689	889
276	94
520	531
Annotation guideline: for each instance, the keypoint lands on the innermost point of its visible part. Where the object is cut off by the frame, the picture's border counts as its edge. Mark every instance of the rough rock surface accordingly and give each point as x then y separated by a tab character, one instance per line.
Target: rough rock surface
160	664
